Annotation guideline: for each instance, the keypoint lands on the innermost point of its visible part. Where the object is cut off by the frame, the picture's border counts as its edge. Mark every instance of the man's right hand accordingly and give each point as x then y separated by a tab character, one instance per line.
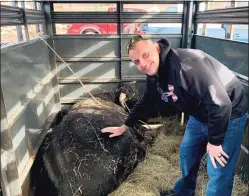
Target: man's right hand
115	131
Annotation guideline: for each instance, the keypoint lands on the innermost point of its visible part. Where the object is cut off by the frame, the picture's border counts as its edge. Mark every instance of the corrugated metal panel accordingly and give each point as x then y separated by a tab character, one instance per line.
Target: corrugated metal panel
29	95
115	17
90	47
22	68
90	70
11	15
237	15
16	16
27	130
34	16
231	53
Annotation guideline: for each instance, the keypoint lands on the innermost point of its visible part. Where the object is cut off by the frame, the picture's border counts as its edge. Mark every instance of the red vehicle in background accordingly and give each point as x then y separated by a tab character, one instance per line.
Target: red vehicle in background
106	28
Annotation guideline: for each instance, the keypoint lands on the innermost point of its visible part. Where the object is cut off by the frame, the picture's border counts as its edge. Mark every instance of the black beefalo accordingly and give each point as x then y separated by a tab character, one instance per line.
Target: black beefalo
77	159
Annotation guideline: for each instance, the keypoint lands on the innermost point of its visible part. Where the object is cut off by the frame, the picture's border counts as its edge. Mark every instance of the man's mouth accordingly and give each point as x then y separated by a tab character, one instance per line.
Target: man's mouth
148	68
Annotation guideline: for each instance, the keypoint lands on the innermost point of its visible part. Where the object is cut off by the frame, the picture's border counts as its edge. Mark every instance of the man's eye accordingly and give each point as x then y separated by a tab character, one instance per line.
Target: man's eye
145	55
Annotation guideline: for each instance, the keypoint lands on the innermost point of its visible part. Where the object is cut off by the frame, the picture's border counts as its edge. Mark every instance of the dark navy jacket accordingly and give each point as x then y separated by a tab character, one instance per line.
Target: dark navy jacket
202	87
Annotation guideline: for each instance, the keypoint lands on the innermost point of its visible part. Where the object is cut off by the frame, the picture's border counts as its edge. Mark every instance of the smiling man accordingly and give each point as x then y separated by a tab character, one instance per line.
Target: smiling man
195	83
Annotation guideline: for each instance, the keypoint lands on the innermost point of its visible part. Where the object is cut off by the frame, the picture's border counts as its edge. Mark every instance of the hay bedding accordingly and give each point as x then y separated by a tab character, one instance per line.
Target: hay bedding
160	170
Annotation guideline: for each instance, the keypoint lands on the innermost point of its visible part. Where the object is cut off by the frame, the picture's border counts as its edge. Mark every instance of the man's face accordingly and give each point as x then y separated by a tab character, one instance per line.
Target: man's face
145	55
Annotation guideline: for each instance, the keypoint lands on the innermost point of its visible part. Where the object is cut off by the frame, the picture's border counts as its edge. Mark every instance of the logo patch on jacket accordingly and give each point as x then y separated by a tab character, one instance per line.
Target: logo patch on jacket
165	95
171	92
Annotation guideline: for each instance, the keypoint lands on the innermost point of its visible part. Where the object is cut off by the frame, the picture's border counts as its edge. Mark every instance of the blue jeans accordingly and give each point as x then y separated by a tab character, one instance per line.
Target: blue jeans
193	148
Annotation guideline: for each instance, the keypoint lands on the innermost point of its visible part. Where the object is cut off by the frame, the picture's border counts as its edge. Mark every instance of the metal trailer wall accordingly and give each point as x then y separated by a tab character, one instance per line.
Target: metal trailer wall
29	98
34	82
28	102
101	61
97	61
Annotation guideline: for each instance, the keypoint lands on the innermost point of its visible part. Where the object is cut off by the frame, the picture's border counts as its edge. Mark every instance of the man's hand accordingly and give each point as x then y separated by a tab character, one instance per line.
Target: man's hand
217	153
116	131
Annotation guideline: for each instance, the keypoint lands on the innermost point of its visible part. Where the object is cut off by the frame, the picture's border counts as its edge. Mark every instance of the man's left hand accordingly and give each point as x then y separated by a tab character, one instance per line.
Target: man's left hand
217	153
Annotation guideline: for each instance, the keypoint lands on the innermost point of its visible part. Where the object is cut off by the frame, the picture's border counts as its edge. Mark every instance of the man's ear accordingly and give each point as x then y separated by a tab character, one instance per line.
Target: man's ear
157	48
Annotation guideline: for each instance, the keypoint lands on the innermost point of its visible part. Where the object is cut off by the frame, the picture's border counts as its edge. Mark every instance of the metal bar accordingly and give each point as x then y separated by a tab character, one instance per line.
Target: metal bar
86	36
52	24
152	17
113	17
18	28
89	59
153	2
205	25
188	21
120	33
128	1
119	11
50	29
93	80
25	26
124	36
22	44
184	26
48	25
74	17
224	21
39	7
133	78
35	8
226	11
229	28
197	6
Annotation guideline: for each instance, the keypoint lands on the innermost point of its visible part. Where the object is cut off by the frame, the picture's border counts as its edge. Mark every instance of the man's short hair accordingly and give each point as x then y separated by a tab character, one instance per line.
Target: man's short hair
134	40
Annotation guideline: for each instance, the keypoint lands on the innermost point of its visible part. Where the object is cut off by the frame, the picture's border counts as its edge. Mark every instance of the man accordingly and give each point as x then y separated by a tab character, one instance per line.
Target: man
197	84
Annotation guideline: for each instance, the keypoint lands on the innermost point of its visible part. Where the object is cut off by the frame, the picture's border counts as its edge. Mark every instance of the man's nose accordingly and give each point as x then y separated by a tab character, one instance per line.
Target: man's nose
143	63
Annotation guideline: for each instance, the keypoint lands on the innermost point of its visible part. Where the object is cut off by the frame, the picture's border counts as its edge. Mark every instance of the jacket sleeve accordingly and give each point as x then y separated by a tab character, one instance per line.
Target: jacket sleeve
141	109
200	77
